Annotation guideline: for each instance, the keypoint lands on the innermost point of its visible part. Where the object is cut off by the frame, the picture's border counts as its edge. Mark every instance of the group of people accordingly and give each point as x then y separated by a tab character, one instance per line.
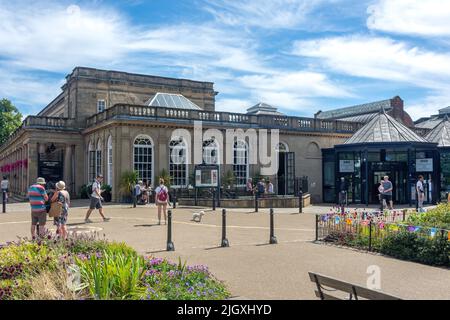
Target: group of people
385	191
142	192
42	195
261	188
41	200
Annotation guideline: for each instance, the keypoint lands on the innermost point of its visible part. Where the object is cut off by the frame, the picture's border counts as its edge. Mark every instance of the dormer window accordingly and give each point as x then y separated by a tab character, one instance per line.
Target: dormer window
101	105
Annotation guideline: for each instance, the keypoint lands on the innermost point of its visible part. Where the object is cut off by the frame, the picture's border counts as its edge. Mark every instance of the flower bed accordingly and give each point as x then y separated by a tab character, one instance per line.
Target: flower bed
422	237
89	268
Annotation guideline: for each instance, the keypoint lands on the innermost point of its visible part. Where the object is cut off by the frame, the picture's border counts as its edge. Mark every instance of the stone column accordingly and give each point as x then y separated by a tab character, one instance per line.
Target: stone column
32	171
68	178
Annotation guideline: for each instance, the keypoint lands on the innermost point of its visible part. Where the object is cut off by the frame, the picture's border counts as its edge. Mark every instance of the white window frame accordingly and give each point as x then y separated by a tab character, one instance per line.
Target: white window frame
240	158
99	103
110	161
208	147
179	165
149	146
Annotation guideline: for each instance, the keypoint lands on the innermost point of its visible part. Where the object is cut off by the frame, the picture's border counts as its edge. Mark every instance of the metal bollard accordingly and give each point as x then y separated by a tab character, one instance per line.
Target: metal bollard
170	245
174	200
4	202
214	200
317	227
256	202
300	201
370	235
273	239
225	242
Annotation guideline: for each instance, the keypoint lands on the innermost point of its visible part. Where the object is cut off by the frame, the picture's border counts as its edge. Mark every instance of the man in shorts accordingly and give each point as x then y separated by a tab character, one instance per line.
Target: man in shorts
38	197
96	200
387	192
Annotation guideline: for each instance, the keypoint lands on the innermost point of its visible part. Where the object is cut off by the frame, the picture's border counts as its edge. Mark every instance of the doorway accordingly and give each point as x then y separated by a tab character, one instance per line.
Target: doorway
286	173
397	173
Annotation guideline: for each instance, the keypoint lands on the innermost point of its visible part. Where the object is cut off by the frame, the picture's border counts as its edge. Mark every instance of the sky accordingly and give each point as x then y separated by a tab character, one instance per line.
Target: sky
300	56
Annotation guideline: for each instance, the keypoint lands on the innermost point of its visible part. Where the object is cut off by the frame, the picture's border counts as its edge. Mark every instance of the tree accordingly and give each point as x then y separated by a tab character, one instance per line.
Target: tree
10	119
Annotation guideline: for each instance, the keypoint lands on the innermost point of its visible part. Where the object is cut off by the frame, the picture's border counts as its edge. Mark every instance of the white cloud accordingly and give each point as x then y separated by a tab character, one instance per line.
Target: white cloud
262	13
48	36
379	58
24	89
418	17
429	105
233	105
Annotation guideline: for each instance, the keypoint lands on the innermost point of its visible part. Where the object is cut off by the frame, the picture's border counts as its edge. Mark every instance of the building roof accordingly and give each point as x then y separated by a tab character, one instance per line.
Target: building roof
440	134
384	128
444	110
361	109
171	100
428	123
263	108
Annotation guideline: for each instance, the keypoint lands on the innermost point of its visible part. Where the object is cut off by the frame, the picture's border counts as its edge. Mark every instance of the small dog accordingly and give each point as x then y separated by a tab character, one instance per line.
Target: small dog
197	217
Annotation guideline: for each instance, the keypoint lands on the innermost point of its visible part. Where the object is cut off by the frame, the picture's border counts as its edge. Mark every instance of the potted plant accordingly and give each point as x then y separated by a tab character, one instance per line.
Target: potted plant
107	192
229	179
86	191
127	182
164	175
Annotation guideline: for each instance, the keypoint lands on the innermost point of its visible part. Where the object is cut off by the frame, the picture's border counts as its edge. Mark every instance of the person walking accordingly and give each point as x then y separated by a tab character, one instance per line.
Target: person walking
380	196
63	197
4	185
161	199
96	200
38	197
343	187
387	192
137	193
420	190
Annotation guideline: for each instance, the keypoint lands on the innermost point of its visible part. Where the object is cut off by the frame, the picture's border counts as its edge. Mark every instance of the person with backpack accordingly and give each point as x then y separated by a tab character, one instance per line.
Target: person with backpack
161	199
96	200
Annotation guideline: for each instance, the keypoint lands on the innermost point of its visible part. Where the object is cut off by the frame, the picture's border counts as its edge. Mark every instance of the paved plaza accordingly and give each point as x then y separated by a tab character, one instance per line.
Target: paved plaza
250	267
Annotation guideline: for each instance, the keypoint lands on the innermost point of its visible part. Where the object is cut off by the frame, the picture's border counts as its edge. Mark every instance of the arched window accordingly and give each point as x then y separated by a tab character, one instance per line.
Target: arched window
91	162
282	147
143	158
240	162
178	163
110	161
210	152
98	158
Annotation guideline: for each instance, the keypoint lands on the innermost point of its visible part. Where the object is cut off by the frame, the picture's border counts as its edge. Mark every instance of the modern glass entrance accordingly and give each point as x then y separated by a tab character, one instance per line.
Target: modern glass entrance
397	173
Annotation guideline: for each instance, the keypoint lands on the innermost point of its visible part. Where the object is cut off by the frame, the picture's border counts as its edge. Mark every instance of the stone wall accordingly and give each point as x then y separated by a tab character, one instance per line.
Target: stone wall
247	202
85	86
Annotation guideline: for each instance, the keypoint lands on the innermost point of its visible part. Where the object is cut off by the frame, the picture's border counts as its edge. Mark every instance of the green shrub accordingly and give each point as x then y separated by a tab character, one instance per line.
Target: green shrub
111	274
411	246
438	217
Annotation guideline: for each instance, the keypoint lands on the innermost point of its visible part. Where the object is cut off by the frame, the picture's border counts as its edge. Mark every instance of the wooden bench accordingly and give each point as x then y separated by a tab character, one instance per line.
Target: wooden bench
356	292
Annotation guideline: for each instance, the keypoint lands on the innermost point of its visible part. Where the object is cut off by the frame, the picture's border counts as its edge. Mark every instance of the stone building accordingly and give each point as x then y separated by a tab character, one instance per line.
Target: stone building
110	122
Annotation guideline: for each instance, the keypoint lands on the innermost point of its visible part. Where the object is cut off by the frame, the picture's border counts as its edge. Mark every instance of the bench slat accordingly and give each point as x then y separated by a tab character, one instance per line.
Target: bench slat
349	288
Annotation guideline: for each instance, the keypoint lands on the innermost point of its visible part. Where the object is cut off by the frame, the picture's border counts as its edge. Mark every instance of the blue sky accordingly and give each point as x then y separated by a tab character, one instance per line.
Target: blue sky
298	55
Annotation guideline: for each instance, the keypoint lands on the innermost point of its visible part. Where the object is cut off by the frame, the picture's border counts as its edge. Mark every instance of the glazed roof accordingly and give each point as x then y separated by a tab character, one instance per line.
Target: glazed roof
441	133
171	100
263	108
384	128
361	109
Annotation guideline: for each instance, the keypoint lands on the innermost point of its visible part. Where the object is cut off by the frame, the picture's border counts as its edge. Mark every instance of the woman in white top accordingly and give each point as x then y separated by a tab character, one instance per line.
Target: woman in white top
161	200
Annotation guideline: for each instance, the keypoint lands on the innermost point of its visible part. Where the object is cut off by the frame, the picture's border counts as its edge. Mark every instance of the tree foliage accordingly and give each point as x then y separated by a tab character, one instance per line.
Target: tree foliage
10	119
